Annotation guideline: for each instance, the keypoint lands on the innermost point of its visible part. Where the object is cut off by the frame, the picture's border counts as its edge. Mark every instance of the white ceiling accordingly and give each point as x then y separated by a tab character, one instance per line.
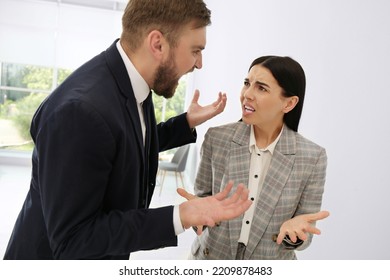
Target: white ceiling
117	5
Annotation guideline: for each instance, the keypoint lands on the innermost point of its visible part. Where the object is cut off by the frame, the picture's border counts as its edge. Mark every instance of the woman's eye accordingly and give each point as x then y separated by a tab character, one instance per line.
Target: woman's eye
246	83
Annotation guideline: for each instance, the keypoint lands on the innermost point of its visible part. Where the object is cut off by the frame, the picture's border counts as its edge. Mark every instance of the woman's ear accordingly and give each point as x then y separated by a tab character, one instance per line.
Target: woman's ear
292	101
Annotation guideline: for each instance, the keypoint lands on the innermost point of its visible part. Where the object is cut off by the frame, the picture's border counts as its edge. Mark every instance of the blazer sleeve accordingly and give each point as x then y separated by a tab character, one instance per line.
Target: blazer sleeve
75	158
312	195
311	198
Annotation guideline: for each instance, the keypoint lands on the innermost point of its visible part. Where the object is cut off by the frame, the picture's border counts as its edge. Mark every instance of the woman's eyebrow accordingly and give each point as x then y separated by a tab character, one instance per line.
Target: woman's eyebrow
262	84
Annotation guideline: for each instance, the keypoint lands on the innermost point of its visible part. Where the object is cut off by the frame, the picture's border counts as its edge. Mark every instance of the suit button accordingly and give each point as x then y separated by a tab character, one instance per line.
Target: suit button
206	251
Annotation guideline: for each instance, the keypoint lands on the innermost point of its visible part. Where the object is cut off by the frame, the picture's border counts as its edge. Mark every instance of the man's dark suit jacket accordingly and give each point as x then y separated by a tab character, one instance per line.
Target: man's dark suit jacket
90	191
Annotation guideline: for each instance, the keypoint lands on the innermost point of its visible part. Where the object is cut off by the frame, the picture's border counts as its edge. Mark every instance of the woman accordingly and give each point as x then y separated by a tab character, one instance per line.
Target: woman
285	172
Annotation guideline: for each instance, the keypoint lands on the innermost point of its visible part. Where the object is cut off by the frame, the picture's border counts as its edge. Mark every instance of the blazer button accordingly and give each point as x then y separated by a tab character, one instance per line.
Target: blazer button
274	237
206	251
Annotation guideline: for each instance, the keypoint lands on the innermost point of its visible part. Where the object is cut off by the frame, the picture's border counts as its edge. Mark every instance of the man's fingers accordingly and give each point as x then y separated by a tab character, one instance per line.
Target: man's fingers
216	103
236	205
245	192
213	209
221	98
234	197
220	104
235	209
241	194
224	193
199	230
183	193
195	98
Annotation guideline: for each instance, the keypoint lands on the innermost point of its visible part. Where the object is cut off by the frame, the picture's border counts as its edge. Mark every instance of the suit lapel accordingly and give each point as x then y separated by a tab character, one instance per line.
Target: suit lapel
278	173
118	69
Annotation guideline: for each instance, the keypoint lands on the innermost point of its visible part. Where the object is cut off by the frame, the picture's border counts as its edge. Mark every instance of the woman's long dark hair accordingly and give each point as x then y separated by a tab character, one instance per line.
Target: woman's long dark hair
291	78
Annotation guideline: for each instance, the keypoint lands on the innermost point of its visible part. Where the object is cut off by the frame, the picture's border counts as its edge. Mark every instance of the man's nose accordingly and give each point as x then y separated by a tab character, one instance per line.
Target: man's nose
198	62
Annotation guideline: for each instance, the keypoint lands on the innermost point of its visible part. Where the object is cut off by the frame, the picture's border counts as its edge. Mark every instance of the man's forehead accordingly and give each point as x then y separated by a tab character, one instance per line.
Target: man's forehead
196	36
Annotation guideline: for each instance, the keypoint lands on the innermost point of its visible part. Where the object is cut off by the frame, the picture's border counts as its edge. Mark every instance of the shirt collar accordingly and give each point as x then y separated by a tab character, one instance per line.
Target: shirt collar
270	148
140	87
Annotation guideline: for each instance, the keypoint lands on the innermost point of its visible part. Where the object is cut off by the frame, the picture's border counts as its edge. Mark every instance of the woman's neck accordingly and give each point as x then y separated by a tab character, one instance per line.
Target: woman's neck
266	135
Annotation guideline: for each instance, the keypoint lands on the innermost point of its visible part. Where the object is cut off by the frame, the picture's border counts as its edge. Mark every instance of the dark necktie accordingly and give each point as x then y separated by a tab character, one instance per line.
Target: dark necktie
146	106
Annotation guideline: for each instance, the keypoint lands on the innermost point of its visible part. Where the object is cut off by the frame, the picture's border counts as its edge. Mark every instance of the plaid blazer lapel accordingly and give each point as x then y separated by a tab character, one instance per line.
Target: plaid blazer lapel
238	171
275	180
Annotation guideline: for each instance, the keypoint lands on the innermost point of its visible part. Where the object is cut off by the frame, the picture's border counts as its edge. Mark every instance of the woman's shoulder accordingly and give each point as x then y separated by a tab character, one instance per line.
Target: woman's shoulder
227	129
307	144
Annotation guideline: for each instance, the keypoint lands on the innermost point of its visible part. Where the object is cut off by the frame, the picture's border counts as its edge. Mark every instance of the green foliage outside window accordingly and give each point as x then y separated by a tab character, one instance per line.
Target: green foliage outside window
25	109
40	78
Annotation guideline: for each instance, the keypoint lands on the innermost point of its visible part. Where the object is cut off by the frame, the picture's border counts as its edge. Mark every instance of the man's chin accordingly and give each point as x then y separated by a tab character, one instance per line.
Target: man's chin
166	93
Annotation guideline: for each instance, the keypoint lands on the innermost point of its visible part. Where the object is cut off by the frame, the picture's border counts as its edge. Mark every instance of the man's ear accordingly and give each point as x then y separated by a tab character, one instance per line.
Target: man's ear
292	101
157	44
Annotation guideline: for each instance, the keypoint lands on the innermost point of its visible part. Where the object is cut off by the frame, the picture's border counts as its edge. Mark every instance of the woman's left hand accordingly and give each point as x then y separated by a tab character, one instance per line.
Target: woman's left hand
298	226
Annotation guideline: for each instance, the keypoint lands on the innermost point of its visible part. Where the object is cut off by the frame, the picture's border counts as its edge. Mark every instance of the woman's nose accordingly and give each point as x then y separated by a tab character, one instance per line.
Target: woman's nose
248	95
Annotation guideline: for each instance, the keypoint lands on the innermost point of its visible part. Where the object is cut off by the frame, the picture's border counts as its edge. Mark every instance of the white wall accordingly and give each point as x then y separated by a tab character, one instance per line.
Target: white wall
344	47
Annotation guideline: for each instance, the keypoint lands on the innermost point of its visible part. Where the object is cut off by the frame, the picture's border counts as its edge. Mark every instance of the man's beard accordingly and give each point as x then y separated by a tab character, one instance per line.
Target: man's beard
165	81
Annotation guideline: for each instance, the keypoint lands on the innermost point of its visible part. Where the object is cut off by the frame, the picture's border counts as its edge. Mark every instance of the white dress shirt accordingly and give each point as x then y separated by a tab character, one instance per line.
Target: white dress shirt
141	92
259	164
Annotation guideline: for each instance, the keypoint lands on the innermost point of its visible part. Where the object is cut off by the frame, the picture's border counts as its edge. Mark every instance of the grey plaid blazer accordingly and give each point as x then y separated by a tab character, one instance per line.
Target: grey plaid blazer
293	185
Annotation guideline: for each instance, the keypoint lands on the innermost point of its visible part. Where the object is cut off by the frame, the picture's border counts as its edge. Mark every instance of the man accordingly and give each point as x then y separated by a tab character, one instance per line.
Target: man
96	145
